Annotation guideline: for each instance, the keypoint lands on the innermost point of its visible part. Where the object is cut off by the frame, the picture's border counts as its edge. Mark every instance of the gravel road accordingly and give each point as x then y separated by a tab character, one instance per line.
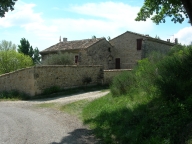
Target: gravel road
21	122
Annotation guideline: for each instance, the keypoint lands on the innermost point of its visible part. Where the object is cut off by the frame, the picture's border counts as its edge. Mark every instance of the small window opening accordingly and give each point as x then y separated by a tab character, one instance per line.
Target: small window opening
109	49
76	58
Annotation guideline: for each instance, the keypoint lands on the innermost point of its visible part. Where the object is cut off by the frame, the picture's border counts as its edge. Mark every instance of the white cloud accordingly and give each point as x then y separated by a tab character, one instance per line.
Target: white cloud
184	35
117	14
100	19
23	14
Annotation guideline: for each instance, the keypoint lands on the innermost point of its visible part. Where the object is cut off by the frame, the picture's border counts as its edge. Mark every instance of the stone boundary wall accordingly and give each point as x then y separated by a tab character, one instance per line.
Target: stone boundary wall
34	80
20	80
110	74
64	76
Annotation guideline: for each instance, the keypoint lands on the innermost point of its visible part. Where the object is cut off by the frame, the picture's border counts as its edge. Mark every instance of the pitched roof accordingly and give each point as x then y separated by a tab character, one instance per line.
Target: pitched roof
70	45
147	37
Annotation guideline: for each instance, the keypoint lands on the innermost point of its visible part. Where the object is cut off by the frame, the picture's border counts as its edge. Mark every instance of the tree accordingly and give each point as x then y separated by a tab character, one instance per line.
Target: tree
5	6
25	47
36	55
177	9
94	37
11	60
7	45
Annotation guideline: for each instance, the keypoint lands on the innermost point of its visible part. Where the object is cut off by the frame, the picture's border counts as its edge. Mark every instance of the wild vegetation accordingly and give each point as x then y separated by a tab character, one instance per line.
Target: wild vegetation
10	59
151	104
59	59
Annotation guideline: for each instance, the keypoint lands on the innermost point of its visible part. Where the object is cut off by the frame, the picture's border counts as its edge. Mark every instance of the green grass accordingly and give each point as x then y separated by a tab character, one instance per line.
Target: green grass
75	108
136	119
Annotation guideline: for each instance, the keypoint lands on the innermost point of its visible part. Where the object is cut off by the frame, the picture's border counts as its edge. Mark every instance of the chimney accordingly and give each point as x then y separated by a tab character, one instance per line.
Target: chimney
176	40
64	39
168	40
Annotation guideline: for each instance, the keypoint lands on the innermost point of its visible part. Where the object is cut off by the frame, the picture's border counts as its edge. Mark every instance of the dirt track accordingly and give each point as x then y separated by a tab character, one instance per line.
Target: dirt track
22	123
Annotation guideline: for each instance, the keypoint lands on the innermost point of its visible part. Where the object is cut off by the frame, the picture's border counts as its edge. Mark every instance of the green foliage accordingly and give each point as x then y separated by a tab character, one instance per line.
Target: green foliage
137	119
156	108
11	60
51	90
27	49
123	83
160	9
86	80
7	45
36	56
5	6
175	77
59	59
13	95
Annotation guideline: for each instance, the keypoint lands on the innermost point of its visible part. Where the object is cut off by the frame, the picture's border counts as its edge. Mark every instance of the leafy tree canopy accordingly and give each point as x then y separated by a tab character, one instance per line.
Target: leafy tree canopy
7	45
158	10
10	60
5	6
27	49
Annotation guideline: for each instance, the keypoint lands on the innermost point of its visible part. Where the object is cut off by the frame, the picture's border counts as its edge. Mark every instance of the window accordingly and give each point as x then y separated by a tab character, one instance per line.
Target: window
139	44
76	58
109	49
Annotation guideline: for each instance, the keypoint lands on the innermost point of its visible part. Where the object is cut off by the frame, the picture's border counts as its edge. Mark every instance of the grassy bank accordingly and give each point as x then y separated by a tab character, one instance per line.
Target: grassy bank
151	105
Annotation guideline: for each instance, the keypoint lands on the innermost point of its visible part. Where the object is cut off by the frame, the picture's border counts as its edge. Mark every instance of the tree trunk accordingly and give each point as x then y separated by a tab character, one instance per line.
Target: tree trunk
188	7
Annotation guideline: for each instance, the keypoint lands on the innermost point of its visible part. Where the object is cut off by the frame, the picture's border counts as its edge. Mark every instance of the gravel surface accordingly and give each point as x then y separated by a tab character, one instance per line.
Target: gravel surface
23	123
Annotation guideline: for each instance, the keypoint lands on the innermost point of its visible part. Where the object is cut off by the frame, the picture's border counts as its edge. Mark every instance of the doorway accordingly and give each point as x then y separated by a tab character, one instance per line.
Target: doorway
117	63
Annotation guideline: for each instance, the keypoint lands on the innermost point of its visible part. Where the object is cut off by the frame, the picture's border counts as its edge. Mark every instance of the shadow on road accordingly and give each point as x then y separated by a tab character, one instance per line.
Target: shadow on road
79	136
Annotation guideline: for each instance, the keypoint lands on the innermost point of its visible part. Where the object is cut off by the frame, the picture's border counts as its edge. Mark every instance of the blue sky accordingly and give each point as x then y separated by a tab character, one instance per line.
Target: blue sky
42	22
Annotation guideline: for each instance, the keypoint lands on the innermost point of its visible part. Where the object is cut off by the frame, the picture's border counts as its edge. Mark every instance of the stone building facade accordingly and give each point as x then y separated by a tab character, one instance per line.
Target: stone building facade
122	52
96	51
131	47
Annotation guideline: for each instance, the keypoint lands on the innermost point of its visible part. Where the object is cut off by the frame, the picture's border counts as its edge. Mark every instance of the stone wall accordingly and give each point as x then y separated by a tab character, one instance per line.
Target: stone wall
126	49
110	74
21	80
33	81
152	45
64	76
101	53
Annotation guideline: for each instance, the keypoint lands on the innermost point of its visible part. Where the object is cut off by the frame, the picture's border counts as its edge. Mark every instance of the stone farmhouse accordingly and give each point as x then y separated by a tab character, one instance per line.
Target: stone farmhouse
131	47
96	59
122	52
96	51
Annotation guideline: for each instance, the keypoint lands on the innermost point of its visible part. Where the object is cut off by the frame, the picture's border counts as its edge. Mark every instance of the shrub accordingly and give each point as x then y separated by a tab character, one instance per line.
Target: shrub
175	77
51	90
11	60
13	94
59	59
86	80
123	83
